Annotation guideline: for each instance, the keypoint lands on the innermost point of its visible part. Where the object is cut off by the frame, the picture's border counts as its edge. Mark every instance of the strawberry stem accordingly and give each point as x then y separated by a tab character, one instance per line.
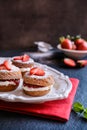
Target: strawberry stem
61	39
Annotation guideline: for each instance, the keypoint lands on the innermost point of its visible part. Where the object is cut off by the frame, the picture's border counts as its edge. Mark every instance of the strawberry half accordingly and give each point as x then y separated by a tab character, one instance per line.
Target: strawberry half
25	58
37	71
18	58
7	64
69	62
82	63
2	67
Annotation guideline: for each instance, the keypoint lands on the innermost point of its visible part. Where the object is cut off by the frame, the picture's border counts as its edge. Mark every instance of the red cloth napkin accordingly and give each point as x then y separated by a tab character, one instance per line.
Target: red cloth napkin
58	109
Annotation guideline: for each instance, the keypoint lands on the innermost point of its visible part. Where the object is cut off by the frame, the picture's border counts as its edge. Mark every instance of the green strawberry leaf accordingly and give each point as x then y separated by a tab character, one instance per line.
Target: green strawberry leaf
77	37
72	38
61	39
68	36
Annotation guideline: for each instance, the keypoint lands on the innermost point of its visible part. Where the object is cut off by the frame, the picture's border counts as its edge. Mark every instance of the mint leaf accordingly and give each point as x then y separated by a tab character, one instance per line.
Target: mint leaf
78	107
85	113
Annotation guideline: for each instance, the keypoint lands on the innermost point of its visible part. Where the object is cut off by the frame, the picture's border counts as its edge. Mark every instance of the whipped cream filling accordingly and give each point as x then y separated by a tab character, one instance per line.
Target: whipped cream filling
6	83
26	88
24	69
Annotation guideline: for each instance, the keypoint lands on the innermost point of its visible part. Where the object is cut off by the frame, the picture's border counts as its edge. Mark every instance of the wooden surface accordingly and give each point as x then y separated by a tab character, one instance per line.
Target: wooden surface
24	21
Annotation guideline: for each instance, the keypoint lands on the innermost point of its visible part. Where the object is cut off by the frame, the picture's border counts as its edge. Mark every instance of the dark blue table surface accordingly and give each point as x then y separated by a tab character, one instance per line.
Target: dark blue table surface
15	121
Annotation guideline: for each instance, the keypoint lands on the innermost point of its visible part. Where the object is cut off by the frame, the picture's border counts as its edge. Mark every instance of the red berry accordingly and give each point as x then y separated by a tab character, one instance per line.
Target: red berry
7	64
69	62
25	58
79	41
66	44
82	46
2	67
82	63
18	58
37	71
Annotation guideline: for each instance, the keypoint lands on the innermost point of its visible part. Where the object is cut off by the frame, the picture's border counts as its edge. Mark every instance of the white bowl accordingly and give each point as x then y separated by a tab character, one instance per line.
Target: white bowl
75	54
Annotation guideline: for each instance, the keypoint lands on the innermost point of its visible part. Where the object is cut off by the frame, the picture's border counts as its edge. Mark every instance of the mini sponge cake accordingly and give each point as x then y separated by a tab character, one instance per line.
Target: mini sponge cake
37	82
10	76
24	62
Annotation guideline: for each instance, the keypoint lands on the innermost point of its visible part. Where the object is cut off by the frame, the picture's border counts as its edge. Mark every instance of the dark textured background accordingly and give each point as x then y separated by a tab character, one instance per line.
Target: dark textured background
24	21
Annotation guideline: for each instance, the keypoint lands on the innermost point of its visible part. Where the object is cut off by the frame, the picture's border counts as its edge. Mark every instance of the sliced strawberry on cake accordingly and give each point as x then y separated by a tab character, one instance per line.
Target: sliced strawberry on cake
25	58
37	82
37	71
24	62
18	58
7	64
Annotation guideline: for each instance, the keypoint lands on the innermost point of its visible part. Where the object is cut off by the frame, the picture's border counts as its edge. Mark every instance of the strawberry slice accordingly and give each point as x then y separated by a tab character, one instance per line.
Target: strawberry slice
82	63
7	64
69	62
25	58
2	67
18	58
37	71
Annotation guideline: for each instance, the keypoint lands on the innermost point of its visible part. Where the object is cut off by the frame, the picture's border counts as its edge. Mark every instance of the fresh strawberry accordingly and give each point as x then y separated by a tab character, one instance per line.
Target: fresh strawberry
69	62
18	58
66	44
7	64
79	41
82	63
37	71
25	58
82	46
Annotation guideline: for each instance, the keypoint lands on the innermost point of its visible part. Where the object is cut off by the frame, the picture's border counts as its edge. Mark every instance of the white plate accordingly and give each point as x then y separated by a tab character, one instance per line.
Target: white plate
75	54
60	90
